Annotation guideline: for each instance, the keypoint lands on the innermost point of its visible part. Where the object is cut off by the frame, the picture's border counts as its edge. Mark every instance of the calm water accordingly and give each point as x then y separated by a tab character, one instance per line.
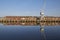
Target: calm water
17	32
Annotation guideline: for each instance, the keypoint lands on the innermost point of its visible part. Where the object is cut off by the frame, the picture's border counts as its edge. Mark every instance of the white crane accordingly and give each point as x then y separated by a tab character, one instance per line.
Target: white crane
42	10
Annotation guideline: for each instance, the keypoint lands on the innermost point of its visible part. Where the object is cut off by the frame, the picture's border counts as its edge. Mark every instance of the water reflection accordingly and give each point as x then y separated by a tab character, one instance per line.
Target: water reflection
31	23
43	35
41	24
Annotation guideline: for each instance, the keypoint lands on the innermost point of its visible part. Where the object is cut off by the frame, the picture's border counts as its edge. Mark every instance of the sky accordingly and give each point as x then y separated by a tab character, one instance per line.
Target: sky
29	7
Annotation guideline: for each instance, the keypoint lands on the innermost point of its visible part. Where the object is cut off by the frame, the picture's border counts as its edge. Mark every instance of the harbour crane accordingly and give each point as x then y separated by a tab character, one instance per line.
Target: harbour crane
41	18
42	10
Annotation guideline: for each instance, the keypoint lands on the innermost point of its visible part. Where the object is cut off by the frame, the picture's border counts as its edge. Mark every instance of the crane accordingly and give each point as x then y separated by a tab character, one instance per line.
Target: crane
42	16
42	10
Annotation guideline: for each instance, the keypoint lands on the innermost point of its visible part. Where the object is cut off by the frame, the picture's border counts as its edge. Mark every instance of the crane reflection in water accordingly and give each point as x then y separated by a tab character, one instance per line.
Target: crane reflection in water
43	35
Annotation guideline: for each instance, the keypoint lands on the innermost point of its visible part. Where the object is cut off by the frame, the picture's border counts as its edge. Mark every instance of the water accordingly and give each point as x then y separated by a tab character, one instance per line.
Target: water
18	32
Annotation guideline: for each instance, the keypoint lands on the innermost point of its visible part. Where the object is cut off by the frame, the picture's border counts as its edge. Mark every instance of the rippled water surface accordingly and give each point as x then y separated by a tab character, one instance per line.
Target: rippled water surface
17	32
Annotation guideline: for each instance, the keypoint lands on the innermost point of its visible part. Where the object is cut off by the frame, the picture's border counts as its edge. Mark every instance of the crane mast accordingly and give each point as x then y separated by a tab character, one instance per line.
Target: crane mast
42	10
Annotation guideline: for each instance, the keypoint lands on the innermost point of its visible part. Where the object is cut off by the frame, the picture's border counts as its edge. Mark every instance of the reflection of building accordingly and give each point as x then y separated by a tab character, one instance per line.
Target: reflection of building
49	23
32	23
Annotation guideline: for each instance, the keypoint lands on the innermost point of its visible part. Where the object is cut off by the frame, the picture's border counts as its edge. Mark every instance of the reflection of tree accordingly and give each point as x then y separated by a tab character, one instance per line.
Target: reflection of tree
49	23
43	36
29	23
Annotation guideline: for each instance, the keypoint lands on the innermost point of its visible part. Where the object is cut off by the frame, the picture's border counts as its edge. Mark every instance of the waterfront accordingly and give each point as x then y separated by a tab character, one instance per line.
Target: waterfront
29	28
30	32
30	19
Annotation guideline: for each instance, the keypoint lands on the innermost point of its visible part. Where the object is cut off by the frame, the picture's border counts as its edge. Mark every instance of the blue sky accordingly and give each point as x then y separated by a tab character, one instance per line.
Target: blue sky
29	7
